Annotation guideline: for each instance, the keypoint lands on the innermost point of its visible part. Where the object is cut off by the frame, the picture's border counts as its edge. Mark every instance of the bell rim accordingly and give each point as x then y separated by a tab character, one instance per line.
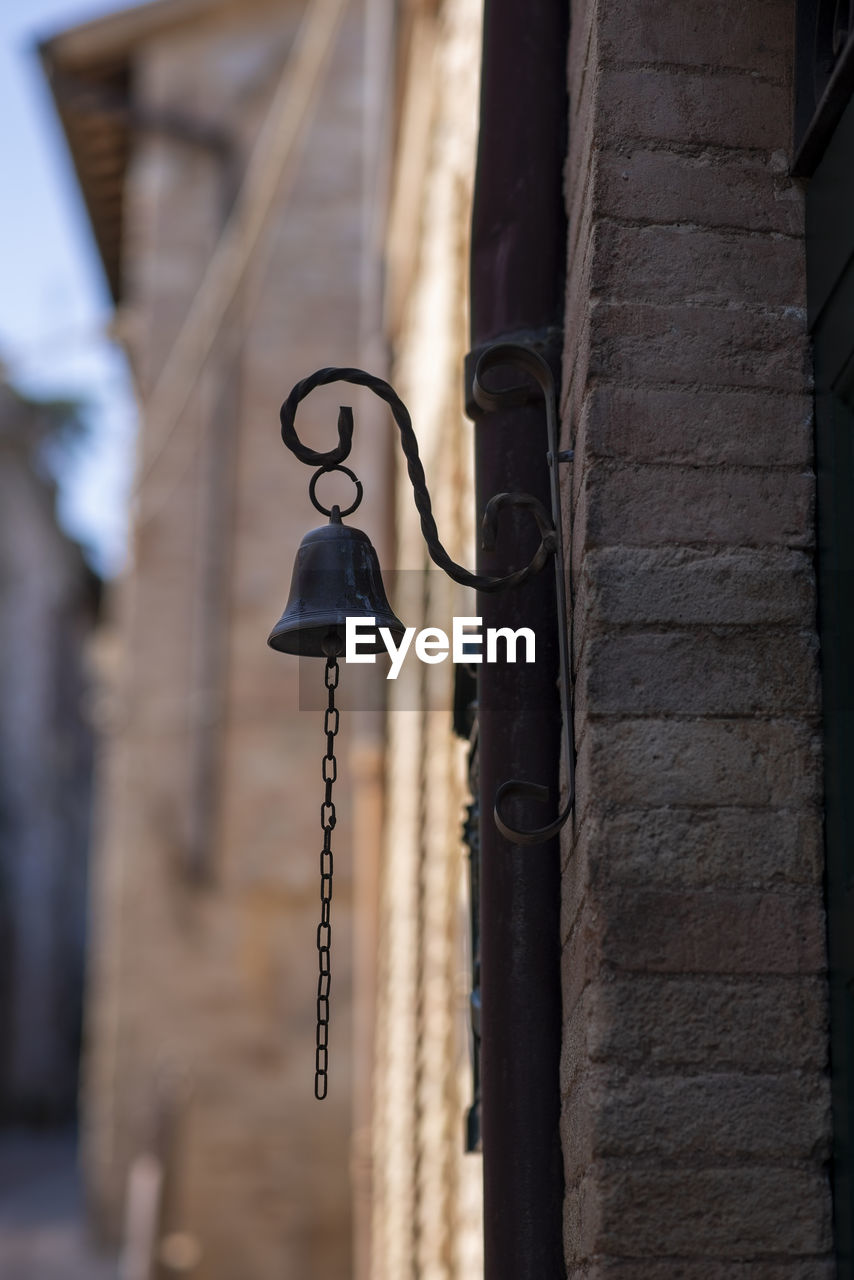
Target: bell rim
312	635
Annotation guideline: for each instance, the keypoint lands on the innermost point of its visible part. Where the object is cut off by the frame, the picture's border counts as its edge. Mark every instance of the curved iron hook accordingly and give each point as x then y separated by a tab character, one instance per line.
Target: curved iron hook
409	443
532	363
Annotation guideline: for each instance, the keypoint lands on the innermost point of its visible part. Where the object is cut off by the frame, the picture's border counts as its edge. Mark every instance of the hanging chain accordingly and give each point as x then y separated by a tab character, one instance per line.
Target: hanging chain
324	931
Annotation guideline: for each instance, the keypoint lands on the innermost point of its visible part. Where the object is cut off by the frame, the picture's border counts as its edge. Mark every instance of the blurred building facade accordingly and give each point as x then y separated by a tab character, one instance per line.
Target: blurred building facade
315	210
49	600
235	161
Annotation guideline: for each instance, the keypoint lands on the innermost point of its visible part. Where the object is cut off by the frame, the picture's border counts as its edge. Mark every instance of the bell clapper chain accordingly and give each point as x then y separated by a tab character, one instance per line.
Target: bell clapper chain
329	768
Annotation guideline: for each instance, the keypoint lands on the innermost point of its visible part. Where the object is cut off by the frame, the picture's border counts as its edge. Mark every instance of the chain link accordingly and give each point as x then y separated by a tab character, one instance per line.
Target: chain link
329	772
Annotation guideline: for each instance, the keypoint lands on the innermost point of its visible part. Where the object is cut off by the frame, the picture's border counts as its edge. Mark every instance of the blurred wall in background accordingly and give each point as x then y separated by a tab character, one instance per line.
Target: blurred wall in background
48	610
427	1203
274	188
220	149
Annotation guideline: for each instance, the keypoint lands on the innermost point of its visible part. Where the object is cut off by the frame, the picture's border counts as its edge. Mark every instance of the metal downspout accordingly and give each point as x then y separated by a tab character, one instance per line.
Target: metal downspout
517	292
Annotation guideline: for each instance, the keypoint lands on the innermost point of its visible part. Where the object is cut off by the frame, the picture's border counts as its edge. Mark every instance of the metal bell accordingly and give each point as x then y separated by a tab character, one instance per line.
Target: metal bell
336	576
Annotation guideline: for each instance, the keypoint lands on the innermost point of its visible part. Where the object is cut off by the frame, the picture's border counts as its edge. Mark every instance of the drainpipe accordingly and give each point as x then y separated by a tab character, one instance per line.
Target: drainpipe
517	293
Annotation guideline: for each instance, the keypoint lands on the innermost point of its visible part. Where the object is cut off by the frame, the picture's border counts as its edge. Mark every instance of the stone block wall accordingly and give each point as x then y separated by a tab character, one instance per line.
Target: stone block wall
696	1102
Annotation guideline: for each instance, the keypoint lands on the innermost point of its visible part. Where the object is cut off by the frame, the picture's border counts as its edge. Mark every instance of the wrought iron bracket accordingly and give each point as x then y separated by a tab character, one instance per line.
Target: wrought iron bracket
537	367
526	360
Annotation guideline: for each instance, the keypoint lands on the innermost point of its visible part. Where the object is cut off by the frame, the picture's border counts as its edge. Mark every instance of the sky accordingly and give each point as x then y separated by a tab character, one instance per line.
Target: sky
54	302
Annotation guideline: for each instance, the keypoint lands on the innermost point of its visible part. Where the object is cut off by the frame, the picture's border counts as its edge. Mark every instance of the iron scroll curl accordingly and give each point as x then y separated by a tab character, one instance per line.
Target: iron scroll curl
548	524
533	364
